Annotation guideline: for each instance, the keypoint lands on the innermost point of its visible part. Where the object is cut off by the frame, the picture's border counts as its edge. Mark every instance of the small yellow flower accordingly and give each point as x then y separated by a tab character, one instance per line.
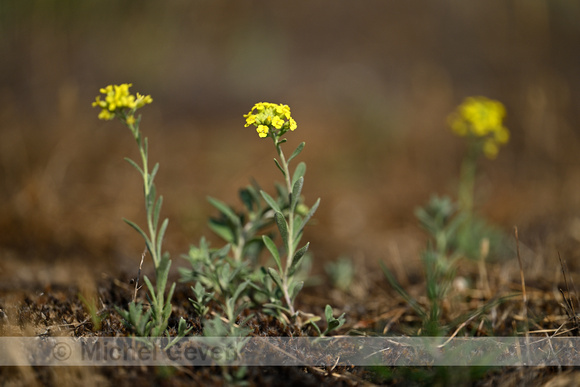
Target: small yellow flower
502	136
262	130
458	126
277	122
142	100
481	117
106	115
270	119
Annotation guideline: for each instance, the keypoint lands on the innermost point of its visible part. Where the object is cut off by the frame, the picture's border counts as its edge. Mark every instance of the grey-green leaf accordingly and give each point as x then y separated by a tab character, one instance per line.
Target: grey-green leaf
310	214
275	276
296	151
222	230
162	273
140	231
160	236
151	289
295	288
280	167
273	250
157	211
271	202
225	209
247	199
297	258
328	313
282	226
296	191
153	174
299	172
134	164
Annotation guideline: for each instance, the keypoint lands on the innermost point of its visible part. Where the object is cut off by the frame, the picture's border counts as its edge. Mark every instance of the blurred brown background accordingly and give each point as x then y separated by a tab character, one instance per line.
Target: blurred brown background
369	83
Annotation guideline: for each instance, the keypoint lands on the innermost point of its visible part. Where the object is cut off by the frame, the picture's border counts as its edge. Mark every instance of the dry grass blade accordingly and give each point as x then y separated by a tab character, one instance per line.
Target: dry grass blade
568	304
523	280
137	287
524	297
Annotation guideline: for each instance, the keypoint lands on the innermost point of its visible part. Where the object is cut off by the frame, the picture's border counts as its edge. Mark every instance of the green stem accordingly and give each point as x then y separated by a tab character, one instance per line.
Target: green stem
290	242
142	145
467	179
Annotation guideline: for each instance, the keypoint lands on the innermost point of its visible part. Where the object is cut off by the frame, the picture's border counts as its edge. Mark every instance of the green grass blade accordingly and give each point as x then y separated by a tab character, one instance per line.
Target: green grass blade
412	303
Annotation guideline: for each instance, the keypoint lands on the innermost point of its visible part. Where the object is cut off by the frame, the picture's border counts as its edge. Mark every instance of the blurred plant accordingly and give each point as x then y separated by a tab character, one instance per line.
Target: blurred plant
90	305
341	273
119	103
439	219
442	220
228	326
480	120
332	322
202	299
222	270
455	232
213	269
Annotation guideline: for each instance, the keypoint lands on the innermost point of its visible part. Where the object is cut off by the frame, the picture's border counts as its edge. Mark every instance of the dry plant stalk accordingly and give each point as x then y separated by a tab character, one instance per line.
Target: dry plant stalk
569	305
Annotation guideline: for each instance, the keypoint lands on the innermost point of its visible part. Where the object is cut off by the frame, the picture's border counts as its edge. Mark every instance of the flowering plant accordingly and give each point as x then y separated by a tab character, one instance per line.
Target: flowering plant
274	120
120	103
226	274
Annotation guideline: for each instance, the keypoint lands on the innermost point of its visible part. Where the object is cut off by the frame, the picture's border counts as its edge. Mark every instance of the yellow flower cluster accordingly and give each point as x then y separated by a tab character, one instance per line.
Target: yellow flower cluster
481	117
270	118
118	100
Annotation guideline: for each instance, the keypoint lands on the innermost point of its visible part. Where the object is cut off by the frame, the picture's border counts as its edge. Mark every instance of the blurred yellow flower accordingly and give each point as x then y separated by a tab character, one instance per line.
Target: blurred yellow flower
119	101
481	117
270	118
490	149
